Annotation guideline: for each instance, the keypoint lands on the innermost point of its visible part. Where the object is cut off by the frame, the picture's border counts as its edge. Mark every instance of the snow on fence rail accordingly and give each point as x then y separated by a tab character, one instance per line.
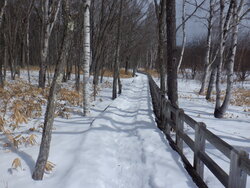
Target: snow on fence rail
168	116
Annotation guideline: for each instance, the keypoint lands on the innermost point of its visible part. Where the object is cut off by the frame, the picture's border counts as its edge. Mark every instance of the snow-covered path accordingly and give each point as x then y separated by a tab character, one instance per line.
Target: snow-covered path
124	148
121	148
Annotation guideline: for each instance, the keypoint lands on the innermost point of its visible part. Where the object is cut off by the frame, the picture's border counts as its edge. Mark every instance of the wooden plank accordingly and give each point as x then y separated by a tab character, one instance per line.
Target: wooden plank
167	116
199	147
187	140
190	121
218	143
245	165
214	168
179	128
196	178
240	164
237	177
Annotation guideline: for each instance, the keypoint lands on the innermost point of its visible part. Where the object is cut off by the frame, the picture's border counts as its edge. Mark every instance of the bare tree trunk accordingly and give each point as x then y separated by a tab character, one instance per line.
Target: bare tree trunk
117	55
1	69
2	12
221	110
171	53
55	87
127	65
224	26
3	59
49	19
207	63
160	9
184	39
86	57
211	83
28	39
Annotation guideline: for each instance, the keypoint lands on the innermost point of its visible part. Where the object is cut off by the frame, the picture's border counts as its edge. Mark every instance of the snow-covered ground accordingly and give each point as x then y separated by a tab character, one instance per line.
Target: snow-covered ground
234	128
119	145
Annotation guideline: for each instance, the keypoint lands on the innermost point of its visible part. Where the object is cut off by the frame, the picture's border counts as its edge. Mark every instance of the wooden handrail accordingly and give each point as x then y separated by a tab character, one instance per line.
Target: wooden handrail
168	116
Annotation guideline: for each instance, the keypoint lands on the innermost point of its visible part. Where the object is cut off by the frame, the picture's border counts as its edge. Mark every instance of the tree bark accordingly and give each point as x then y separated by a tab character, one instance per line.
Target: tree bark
86	57
184	39
2	12
117	55
160	9
221	110
172	91
211	83
207	63
224	26
55	87
49	19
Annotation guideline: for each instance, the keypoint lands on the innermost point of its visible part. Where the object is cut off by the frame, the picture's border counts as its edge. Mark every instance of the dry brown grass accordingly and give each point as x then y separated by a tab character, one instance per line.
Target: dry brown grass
109	73
72	97
49	167
240	97
22	102
152	72
16	163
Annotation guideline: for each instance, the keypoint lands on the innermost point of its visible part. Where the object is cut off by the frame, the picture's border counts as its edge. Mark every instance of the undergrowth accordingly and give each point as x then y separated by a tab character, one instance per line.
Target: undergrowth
22	102
240	97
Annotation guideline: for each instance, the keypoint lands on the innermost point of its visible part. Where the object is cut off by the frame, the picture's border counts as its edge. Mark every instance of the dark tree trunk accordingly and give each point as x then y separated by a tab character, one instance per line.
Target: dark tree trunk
172	90
211	83
55	87
117	54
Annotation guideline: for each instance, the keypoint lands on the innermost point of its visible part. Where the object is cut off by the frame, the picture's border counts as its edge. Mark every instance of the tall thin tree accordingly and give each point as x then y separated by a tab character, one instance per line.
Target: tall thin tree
117	55
172	89
160	12
55	87
86	57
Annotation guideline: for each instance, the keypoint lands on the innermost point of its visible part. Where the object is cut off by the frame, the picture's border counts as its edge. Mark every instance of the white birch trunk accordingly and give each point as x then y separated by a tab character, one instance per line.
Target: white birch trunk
207	63
49	19
230	64
86	57
184	39
224	26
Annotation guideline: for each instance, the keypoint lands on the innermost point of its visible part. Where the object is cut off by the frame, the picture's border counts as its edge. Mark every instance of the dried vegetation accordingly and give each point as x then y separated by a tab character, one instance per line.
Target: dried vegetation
21	102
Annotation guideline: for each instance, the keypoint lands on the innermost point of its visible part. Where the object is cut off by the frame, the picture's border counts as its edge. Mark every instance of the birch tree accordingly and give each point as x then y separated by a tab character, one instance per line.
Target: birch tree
55	87
222	39
184	18
208	63
236	17
27	37
86	57
50	14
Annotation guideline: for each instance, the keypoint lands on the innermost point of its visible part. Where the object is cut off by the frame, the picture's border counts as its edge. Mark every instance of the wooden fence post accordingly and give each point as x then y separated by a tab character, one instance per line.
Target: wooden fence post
167	118
199	144
162	114
179	122
237	177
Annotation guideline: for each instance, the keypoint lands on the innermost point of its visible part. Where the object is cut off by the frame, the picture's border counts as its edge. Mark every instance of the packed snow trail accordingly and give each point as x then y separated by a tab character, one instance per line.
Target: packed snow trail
118	148
124	148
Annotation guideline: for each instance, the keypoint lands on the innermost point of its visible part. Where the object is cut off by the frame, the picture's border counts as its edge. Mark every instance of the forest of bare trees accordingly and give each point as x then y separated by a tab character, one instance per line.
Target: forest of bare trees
83	38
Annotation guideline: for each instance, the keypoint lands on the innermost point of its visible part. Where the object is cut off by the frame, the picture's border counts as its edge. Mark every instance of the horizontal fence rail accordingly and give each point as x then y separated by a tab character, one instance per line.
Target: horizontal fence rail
169	118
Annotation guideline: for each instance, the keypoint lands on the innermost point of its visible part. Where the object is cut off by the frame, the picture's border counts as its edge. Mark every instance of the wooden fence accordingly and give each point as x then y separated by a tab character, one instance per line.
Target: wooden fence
168	117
